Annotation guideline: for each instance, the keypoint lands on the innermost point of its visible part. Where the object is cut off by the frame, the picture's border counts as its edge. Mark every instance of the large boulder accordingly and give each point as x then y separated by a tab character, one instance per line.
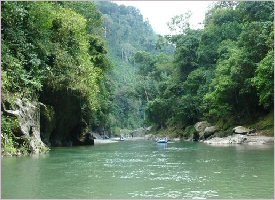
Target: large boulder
241	130
208	131
204	130
200	126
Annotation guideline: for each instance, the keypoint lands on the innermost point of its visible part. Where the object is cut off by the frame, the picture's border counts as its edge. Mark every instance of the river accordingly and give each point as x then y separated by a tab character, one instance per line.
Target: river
143	169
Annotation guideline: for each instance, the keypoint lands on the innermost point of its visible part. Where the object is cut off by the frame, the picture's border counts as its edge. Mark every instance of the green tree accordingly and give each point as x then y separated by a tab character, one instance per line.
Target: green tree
264	80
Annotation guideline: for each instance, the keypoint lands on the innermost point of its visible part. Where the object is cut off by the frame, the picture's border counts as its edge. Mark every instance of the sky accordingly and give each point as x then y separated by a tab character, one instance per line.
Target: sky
159	13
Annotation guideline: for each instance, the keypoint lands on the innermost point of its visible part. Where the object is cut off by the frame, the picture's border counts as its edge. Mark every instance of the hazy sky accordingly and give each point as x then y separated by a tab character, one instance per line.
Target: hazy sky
160	12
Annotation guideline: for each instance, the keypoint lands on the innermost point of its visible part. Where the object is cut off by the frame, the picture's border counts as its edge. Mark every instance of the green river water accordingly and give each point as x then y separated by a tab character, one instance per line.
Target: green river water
143	169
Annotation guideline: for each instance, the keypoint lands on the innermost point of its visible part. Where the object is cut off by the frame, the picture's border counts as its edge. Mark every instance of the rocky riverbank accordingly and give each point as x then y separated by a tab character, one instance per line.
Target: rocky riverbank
32	127
210	134
240	139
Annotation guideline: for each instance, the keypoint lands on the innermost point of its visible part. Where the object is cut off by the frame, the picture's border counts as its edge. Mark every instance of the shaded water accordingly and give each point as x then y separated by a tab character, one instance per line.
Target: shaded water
142	169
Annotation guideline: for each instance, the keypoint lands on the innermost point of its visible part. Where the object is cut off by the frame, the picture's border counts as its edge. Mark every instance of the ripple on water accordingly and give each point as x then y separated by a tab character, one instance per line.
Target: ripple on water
143	170
201	194
174	194
206	161
122	162
178	177
177	148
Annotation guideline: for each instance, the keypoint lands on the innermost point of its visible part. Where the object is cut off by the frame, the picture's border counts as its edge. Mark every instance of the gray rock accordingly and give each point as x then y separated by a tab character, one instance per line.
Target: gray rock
234	139
201	135
28	115
207	132
210	129
237	139
241	130
200	126
13	112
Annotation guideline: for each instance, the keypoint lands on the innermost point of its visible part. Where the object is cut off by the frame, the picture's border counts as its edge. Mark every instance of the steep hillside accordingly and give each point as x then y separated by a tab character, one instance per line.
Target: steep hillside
127	33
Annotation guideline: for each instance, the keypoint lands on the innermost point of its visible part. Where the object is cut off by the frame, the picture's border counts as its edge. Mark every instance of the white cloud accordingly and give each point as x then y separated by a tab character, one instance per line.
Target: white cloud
159	13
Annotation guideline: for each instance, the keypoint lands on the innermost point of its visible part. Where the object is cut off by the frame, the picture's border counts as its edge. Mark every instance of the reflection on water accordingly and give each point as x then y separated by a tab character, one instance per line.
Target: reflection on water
142	169
162	146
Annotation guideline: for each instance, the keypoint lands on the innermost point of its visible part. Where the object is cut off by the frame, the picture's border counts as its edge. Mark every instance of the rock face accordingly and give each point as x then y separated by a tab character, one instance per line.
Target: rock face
57	121
241	130
47	122
66	127
28	115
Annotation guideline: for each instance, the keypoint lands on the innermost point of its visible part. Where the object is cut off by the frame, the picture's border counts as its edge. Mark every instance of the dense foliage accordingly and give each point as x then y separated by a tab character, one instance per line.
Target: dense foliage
127	33
52	47
122	75
222	73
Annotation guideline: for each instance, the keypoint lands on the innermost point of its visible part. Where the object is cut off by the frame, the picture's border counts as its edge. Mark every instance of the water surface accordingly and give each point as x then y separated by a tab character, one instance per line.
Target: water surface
143	169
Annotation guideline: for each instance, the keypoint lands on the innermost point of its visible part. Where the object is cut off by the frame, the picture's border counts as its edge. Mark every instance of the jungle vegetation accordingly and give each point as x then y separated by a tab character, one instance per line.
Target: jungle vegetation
124	76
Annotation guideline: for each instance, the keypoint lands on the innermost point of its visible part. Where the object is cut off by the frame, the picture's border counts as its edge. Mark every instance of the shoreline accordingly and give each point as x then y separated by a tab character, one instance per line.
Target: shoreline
241	139
228	140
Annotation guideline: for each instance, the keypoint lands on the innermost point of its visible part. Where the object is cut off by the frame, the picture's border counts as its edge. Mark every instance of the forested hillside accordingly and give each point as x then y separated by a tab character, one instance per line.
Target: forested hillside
52	53
223	73
127	33
69	68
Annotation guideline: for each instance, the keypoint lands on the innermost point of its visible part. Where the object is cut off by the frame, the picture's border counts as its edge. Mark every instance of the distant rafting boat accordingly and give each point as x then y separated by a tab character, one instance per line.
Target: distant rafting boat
162	140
